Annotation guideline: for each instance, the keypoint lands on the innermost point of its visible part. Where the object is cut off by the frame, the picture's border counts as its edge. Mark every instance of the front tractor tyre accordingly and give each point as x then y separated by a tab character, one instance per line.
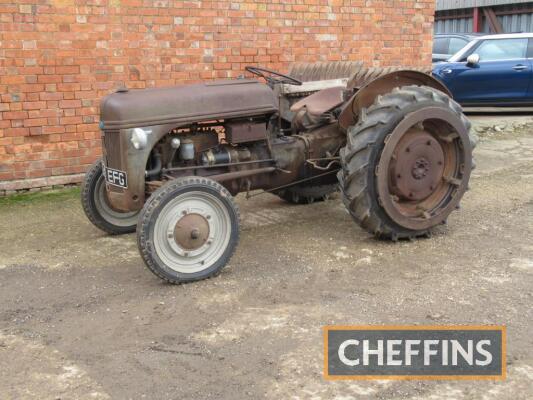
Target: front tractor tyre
97	208
188	230
407	163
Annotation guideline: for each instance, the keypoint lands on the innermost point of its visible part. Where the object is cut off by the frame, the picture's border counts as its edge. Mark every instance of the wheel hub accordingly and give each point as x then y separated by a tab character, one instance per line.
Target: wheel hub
191	231
418	166
420	169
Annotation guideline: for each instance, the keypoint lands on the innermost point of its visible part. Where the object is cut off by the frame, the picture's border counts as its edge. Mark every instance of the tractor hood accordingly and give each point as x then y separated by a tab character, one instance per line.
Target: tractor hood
186	104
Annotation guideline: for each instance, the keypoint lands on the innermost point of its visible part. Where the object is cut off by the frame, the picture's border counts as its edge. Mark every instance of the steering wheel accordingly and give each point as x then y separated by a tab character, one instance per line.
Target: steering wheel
269	74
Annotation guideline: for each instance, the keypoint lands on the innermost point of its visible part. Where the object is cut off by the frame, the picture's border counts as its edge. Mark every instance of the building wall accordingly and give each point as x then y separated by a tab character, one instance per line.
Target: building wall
513	16
59	57
458	4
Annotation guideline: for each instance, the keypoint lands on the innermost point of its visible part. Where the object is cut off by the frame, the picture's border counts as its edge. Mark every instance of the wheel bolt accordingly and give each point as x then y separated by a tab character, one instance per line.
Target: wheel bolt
184	212
407	150
208	217
399	176
428	143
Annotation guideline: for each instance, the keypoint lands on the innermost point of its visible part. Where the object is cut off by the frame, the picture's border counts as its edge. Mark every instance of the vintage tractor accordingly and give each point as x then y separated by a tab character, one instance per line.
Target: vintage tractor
394	142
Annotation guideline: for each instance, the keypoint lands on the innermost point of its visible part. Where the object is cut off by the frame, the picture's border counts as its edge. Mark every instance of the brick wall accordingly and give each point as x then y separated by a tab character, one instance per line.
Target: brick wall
59	57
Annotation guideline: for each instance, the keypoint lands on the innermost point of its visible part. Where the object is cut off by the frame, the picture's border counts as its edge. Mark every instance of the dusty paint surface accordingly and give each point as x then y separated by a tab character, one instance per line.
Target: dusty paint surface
82	318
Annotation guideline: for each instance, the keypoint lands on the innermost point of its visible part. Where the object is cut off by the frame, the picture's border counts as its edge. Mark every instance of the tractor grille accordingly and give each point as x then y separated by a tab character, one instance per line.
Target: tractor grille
112	149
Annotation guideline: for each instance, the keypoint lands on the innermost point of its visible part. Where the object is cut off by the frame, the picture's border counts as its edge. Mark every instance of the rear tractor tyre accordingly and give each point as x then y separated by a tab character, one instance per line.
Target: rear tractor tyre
307	194
188	230
407	163
97	208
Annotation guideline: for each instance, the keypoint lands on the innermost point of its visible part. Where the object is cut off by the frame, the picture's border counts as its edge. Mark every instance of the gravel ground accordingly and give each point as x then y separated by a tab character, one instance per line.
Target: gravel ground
82	318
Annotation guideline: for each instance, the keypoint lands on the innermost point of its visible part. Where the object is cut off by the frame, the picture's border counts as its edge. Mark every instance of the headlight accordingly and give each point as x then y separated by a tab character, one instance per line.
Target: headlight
139	138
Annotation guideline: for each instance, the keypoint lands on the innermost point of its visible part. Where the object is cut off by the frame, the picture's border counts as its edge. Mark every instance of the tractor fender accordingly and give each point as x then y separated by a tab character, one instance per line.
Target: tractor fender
368	91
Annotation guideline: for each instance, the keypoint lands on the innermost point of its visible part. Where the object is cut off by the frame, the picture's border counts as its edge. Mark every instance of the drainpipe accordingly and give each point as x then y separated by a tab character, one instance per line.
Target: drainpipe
477	21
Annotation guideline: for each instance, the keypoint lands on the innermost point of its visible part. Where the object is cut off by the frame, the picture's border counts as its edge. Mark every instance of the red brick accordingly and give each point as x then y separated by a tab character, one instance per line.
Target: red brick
17	132
35	122
58	63
33	105
47	130
15	115
70	120
50	96
70	103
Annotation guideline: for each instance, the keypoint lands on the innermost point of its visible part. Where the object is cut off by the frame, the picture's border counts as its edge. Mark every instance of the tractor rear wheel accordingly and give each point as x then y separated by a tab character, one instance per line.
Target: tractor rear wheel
407	163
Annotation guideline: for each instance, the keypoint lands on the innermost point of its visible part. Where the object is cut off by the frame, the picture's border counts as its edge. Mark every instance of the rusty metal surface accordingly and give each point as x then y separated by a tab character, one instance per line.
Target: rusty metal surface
366	75
373	83
436	174
320	71
191	231
228	176
179	112
290	155
112	148
417	165
182	105
320	102
241	132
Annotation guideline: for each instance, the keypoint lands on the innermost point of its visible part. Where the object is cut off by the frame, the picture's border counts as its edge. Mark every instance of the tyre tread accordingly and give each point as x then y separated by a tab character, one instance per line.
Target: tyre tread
87	193
145	246
363	138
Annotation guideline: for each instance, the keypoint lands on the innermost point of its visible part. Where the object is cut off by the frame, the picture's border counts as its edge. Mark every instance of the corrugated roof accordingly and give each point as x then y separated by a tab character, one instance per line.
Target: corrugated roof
456	4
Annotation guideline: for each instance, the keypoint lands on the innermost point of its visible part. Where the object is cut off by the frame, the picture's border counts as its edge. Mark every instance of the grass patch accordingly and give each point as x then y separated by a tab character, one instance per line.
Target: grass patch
41	196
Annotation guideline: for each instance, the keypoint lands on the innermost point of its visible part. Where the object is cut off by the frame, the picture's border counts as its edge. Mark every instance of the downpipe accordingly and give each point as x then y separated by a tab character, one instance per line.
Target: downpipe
156	169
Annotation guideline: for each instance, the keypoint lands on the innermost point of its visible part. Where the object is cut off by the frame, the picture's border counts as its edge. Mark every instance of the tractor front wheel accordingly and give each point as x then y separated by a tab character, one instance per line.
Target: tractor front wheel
97	208
407	163
188	230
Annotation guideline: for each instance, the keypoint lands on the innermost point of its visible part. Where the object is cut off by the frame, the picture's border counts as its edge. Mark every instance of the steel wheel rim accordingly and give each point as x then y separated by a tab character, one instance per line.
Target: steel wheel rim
186	260
117	218
449	132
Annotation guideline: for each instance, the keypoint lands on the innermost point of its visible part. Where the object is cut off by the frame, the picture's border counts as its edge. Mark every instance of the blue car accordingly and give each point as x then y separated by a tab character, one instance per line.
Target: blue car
493	70
446	45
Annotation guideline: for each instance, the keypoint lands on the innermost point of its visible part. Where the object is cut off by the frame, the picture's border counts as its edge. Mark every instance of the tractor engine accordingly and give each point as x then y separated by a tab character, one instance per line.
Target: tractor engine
245	154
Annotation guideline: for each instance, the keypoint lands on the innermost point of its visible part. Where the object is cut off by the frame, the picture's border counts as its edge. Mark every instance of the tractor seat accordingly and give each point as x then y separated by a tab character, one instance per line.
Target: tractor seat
319	103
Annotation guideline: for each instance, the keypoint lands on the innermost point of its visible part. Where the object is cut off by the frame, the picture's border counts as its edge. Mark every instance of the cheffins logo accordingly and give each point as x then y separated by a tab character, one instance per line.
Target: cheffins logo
414	352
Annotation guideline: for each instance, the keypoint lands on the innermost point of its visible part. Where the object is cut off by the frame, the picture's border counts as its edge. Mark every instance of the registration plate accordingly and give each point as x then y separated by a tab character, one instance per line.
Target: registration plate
115	177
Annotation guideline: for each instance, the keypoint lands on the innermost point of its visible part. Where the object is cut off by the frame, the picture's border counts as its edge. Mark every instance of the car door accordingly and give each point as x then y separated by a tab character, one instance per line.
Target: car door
440	49
501	75
529	94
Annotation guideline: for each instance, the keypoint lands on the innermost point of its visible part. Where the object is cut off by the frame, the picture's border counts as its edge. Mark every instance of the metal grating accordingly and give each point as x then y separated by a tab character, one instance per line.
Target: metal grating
112	149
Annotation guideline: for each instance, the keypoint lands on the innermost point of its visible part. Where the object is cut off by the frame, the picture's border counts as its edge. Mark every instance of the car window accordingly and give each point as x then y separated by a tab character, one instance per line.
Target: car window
461	54
456	44
502	49
440	46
